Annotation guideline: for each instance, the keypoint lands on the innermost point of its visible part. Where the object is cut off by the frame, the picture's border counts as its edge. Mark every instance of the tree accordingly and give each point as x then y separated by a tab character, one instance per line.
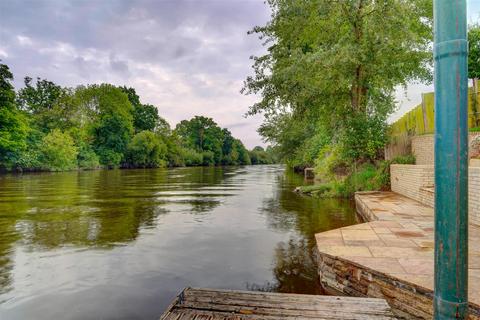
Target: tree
112	127
332	61
145	117
202	134
146	150
474	53
13	125
58	151
41	97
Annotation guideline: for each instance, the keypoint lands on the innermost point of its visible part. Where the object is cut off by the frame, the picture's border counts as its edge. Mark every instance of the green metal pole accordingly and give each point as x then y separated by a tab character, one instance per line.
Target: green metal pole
451	160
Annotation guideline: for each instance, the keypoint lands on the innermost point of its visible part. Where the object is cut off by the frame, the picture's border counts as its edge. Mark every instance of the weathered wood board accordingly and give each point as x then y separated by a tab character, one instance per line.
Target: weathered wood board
213	304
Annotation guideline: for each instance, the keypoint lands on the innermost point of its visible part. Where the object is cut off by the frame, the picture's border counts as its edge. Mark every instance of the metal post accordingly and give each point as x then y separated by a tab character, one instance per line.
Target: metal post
451	160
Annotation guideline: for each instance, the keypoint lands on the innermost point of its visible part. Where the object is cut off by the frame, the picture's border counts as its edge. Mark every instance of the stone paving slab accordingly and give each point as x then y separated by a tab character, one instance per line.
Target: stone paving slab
397	242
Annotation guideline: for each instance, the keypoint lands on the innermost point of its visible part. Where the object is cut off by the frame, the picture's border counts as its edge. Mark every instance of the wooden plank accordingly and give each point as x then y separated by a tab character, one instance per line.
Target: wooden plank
279	297
293	305
215	304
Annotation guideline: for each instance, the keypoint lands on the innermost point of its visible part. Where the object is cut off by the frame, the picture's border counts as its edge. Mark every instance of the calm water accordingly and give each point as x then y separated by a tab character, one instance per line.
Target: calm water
121	244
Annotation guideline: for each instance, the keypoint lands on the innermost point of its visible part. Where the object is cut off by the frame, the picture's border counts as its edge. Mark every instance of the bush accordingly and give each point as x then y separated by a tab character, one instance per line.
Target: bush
329	165
192	157
363	138
408	159
109	158
58	152
87	158
208	158
146	150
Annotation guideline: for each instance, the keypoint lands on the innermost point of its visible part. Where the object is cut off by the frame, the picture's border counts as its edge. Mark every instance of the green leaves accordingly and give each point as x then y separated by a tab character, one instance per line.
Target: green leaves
334	63
49	127
214	144
146	150
58	152
13	125
474	52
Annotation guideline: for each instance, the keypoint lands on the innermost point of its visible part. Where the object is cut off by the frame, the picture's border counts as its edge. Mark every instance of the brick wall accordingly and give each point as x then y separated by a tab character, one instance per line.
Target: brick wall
474	194
423	148
413	181
417	182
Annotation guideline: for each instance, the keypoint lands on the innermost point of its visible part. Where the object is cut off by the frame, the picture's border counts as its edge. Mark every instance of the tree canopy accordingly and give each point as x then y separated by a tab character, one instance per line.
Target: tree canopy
474	52
45	126
335	65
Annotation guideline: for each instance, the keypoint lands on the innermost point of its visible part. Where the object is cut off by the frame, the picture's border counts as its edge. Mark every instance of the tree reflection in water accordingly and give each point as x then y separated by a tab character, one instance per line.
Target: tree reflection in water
295	266
95	209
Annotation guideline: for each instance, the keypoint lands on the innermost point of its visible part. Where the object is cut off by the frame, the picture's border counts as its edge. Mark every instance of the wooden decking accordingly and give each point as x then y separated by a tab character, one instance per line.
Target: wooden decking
212	304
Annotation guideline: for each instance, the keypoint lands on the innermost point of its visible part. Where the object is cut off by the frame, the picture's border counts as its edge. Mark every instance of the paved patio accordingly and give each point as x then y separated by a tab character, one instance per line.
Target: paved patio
398	242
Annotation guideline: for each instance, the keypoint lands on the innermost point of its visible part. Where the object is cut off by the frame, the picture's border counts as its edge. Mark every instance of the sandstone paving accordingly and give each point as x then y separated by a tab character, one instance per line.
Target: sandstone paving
398	242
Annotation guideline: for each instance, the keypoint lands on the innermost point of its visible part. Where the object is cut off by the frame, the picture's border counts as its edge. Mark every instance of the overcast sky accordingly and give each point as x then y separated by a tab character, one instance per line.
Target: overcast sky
185	57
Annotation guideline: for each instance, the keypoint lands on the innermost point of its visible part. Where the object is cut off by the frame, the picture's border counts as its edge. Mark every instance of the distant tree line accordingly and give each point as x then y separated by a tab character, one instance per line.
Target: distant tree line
45	126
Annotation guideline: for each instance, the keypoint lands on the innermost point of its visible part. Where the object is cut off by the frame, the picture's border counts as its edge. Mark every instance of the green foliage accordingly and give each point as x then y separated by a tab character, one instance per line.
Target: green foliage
58	152
192	157
407	159
364	138
330	163
474	52
146	150
56	128
258	155
39	98
208	158
13	125
315	189
87	158
145	117
216	145
343	180
335	65
112	128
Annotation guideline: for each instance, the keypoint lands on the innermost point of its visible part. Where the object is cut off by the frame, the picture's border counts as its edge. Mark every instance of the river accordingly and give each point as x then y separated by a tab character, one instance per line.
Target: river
120	244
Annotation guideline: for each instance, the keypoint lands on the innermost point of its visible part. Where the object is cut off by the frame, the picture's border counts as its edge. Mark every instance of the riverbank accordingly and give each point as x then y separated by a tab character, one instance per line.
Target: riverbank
390	256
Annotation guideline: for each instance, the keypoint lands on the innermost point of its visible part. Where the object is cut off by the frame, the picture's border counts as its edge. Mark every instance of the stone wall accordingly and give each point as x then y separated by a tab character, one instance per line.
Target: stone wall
417	182
423	148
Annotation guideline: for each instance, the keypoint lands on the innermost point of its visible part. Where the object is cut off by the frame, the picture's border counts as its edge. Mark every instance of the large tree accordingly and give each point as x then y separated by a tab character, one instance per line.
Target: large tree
202	134
145	116
339	62
112	128
13	126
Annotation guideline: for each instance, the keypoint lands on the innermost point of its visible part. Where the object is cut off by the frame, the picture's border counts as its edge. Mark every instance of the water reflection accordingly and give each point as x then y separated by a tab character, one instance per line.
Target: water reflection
139	236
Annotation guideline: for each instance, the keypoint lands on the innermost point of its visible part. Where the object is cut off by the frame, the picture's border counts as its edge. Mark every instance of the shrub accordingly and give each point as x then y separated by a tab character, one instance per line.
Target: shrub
58	151
87	158
146	150
329	163
208	158
192	157
407	159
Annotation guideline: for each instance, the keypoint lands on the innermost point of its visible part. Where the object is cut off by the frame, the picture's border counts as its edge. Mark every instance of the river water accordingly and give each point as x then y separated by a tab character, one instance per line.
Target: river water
120	244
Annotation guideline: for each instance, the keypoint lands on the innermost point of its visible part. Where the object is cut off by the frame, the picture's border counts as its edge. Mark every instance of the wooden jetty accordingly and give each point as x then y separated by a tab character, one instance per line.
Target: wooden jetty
213	304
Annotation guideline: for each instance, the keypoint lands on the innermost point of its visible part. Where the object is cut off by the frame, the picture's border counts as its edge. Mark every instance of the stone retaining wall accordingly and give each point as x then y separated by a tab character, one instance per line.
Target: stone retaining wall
340	276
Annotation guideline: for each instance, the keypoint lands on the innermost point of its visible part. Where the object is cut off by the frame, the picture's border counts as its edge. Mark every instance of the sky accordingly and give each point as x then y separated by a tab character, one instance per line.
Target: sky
185	57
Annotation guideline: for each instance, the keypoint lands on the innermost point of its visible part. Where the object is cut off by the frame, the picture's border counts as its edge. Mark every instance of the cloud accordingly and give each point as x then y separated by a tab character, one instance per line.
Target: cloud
186	57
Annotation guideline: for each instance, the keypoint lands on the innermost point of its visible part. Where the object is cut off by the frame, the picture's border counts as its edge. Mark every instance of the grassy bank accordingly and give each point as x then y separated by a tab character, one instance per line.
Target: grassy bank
357	177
